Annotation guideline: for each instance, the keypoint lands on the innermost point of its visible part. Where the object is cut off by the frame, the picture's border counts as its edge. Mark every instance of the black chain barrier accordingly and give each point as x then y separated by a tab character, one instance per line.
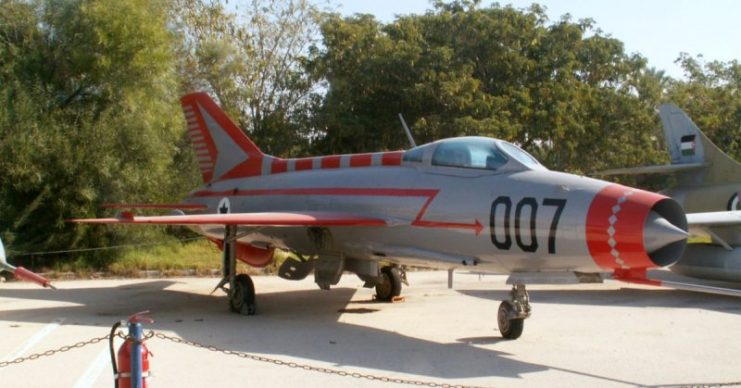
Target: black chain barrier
52	352
254	357
311	368
244	355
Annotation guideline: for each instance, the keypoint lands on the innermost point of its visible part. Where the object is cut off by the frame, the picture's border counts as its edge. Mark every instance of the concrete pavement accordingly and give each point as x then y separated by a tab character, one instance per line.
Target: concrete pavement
587	335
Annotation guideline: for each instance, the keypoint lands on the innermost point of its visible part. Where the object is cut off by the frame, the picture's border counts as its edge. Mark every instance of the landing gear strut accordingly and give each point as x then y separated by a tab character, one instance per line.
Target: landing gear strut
241	290
389	284
512	313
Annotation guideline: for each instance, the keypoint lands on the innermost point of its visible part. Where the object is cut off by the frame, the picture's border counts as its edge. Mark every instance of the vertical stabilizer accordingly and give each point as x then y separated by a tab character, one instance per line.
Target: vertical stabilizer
688	145
223	151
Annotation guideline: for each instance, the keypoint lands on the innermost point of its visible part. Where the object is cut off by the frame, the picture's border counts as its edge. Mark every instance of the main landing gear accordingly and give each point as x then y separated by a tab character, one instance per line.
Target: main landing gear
388	285
242	295
512	313
241	290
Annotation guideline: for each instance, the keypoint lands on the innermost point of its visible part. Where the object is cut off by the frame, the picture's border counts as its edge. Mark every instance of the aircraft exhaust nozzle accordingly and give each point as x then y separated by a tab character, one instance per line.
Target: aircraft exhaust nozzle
658	232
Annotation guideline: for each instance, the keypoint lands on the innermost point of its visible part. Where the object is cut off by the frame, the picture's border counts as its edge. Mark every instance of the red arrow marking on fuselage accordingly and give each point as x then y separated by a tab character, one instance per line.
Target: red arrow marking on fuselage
476	226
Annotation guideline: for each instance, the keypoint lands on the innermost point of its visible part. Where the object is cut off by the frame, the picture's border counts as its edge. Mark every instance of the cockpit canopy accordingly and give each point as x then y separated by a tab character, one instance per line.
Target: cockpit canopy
481	153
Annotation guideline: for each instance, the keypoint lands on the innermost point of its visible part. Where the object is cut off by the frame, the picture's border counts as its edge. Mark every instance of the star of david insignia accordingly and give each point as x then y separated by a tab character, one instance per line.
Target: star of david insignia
224	206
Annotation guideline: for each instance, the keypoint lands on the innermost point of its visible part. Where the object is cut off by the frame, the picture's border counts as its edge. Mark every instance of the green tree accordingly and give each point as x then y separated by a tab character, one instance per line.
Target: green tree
711	96
562	90
252	61
88	115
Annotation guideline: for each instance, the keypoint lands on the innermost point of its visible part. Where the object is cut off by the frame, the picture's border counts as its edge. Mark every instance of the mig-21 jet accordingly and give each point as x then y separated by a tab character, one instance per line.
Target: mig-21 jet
473	202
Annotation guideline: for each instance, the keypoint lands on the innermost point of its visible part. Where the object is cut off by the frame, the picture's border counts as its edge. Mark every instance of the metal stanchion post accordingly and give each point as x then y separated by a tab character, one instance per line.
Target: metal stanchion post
135	332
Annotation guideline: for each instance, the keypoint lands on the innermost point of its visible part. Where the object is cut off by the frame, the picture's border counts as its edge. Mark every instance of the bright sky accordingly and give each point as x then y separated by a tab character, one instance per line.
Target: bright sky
657	29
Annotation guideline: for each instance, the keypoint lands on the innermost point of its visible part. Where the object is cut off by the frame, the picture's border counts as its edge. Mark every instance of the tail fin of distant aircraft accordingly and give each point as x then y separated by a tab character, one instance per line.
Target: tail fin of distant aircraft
683	139
223	151
689	146
695	159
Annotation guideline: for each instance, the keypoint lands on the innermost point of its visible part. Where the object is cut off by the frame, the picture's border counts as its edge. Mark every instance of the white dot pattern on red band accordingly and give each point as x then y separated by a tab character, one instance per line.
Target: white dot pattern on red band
613	219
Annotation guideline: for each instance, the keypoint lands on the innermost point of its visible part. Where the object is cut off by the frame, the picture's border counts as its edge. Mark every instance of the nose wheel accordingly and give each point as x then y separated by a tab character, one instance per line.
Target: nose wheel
512	313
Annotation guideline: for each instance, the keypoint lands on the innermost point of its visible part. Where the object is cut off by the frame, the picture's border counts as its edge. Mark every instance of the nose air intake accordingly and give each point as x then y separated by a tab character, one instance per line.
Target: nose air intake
658	233
631	228
665	233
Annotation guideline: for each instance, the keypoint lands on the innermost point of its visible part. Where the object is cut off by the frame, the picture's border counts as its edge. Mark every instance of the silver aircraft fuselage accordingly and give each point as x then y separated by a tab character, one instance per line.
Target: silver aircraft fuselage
520	217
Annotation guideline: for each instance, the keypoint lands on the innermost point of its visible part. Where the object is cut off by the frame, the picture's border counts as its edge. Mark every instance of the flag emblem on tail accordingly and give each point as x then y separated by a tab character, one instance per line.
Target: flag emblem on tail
687	145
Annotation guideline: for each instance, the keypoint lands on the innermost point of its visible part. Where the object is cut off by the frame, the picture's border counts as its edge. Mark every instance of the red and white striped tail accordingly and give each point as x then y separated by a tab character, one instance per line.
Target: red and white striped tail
223	151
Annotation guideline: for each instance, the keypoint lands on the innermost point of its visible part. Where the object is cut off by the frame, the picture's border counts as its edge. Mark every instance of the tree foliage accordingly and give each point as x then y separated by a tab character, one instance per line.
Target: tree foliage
562	90
88	114
711	96
252	61
89	89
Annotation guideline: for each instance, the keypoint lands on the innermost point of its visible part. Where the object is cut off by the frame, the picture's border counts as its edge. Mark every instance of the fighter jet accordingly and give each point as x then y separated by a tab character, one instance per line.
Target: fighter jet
473	202
708	187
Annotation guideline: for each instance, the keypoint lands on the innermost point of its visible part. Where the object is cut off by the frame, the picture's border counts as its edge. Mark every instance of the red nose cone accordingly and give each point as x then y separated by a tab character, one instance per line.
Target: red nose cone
617	226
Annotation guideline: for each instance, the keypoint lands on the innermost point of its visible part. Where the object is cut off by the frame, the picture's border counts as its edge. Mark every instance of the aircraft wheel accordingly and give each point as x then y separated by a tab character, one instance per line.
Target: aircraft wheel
511	328
242	297
389	284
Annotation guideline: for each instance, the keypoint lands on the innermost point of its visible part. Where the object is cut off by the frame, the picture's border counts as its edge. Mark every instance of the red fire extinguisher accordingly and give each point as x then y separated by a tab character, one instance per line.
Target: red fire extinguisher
131	370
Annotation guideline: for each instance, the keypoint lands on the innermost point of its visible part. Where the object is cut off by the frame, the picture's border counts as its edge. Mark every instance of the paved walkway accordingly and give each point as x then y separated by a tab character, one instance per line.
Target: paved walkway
587	335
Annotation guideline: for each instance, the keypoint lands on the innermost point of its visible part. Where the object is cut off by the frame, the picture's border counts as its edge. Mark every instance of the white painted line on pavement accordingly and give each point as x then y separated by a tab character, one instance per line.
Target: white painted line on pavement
94	370
48	329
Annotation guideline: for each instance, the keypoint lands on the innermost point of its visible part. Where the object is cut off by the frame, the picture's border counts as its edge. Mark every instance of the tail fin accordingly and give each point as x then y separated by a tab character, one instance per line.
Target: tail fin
222	149
688	145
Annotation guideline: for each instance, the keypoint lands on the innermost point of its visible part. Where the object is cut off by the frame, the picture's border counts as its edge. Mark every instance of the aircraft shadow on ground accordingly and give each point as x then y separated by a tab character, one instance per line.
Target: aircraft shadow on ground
302	324
628	297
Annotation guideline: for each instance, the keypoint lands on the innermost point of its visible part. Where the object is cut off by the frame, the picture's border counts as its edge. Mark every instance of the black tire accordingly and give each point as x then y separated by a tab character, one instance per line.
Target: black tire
389	285
242	297
510	328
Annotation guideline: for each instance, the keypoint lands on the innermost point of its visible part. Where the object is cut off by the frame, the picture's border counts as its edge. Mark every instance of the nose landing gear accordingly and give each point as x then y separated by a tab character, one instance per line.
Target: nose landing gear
512	313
